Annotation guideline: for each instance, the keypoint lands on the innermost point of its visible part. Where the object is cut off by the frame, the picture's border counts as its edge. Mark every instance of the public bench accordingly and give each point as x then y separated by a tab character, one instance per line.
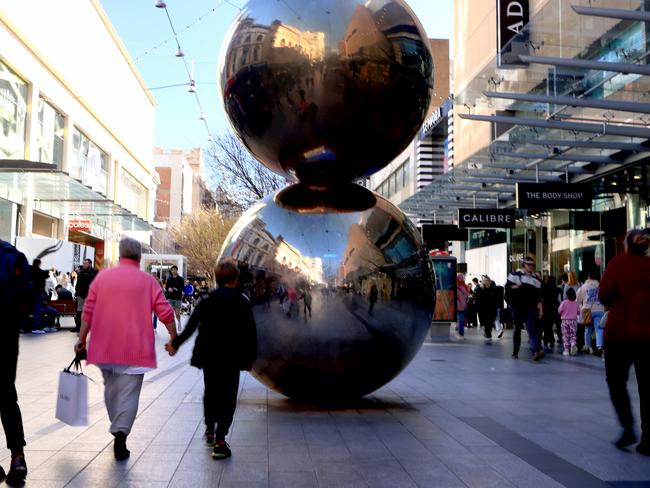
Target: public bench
64	307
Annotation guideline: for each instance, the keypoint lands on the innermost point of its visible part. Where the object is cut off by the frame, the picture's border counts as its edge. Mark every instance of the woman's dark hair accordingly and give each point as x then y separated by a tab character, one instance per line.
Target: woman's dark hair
571	294
550	280
226	272
638	241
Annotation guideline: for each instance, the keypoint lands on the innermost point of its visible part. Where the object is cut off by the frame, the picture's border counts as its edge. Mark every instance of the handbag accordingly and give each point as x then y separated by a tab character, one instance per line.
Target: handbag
603	320
586	316
72	396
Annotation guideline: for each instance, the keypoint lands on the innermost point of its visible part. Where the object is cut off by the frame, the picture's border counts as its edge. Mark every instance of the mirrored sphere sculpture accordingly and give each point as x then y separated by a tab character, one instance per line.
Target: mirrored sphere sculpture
342	300
326	90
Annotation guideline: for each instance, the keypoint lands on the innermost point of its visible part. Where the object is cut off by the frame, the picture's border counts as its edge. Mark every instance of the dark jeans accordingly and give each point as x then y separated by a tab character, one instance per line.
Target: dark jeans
581	336
549	322
12	420
530	321
220	398
487	322
618	360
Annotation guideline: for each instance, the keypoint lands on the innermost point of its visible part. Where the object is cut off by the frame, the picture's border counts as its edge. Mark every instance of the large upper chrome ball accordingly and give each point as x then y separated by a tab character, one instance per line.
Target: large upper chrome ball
342	299
326	90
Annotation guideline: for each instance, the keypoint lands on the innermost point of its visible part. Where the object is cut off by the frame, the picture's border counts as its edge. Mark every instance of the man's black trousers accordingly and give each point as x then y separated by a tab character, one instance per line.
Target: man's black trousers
12	421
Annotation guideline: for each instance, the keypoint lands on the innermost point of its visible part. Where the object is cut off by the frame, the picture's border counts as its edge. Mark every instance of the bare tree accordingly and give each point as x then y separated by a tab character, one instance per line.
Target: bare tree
200	236
238	175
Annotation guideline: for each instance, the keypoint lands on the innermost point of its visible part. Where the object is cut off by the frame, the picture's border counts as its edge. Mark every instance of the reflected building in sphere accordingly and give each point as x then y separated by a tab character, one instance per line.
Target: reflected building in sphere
341	283
346	344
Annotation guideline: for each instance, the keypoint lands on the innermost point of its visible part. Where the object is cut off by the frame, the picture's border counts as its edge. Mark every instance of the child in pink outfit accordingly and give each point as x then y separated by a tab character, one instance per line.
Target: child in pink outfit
569	311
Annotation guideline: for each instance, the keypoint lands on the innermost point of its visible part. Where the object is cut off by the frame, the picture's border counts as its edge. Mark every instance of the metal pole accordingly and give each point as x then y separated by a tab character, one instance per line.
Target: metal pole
536	174
474	198
497	200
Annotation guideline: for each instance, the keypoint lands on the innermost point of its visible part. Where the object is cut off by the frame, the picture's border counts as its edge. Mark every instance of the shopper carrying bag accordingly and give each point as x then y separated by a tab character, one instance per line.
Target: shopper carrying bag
72	398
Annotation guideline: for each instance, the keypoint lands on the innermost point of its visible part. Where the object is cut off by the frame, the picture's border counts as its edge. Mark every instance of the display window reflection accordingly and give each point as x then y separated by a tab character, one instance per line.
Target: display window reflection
49	141
13	110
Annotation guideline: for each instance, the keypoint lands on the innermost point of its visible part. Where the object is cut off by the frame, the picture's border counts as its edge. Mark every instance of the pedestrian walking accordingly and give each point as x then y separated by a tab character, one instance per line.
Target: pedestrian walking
625	289
15	302
591	311
174	287
373	294
523	294
117	316
226	344
85	277
307	299
550	304
486	306
462	297
569	311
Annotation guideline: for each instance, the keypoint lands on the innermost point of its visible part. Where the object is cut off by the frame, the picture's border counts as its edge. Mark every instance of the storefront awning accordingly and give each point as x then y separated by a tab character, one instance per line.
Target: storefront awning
56	193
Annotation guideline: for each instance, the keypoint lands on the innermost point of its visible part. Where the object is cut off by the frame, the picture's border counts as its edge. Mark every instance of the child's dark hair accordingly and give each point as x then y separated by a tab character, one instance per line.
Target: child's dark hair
571	294
227	271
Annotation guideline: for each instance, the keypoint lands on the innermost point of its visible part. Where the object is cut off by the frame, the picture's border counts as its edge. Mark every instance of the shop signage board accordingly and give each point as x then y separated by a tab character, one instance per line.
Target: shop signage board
82	225
512	17
547	196
486	218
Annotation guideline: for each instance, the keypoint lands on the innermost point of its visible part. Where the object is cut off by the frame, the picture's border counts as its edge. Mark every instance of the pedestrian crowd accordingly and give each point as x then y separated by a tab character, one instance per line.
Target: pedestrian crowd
608	318
116	335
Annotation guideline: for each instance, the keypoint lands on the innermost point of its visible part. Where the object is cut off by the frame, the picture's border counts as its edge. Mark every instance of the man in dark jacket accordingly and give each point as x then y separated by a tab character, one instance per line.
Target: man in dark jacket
15	302
85	277
523	293
226	344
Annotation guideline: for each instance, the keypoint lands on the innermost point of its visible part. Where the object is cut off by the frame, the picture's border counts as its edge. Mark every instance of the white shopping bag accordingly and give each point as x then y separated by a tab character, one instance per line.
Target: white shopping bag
72	398
497	324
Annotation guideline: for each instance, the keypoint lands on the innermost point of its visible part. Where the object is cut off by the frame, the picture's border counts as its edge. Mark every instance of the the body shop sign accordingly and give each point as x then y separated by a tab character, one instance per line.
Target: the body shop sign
512	17
81	225
546	196
486	218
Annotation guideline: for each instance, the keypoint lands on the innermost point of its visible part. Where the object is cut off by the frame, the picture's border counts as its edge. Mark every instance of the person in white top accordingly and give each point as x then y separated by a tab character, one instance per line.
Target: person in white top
591	311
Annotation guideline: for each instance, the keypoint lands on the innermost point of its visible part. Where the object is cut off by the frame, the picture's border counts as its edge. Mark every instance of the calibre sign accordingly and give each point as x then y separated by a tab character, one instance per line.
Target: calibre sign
546	196
512	16
486	218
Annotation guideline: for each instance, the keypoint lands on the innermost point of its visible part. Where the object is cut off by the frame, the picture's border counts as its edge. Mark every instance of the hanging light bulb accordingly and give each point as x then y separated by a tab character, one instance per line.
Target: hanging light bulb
210	139
160	4
191	87
179	53
201	116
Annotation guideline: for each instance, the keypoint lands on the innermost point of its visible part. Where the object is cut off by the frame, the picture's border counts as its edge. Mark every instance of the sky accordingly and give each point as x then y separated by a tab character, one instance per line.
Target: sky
146	33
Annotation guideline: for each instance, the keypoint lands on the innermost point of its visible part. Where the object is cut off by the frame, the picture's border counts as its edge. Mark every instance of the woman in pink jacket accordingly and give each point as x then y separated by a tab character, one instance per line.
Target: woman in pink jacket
117	315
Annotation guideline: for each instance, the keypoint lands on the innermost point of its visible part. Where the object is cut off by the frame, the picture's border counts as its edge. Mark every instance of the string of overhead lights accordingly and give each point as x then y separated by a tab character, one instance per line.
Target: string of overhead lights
189	26
190	75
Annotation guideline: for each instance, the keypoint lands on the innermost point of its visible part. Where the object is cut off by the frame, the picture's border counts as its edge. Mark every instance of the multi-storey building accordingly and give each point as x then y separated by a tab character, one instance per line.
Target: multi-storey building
76	131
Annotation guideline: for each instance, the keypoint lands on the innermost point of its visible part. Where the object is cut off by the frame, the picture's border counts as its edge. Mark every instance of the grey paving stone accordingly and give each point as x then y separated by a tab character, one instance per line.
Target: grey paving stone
293	480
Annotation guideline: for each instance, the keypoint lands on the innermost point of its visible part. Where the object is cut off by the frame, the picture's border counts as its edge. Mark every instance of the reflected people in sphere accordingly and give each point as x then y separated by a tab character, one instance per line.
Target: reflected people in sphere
322	331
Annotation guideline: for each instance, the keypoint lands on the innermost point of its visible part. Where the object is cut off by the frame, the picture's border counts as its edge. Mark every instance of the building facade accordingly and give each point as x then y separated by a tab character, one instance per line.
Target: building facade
547	93
77	125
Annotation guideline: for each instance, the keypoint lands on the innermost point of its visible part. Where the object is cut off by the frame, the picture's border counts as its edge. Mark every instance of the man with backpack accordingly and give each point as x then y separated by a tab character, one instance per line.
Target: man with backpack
15	300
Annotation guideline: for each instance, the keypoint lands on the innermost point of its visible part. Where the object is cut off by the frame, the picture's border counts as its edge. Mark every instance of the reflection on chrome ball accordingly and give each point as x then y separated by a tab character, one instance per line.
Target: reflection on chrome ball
326	90
342	300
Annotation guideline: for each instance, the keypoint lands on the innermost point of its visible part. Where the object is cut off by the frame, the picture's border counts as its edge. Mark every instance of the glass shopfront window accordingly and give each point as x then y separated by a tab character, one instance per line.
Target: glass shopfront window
88	163
134	195
6	220
50	136
13	110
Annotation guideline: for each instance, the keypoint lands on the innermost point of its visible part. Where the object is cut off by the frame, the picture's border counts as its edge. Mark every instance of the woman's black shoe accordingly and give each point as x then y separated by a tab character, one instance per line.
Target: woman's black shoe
119	447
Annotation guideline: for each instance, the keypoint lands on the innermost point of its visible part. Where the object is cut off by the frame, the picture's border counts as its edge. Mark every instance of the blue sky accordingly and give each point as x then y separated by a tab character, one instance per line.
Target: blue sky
142	27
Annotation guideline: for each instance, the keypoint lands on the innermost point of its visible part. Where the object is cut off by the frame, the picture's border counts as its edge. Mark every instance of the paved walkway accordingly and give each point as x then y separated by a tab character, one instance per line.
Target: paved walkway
462	414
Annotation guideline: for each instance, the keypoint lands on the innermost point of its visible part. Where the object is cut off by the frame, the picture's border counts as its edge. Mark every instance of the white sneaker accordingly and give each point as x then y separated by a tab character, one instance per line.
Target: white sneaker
488	340
566	353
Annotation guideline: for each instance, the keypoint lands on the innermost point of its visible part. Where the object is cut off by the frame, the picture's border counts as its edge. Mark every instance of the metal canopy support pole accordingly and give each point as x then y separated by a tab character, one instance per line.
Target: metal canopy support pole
613	13
614	130
536	174
592	144
638	69
566	175
622	106
474	199
497	201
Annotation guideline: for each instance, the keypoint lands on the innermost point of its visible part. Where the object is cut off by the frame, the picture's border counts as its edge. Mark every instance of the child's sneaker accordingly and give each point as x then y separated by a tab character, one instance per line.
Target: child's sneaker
574	350
566	352
209	437
221	450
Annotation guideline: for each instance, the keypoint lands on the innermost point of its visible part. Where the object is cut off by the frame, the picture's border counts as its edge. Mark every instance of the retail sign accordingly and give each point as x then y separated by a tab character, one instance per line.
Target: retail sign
512	17
486	218
82	225
546	196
